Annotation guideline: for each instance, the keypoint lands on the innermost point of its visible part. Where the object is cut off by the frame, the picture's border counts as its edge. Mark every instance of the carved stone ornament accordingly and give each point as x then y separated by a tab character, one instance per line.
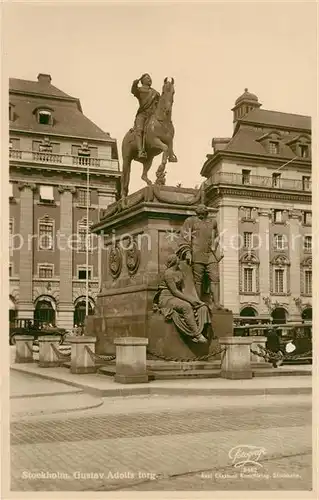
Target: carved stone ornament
62	189
23	185
133	256
115	261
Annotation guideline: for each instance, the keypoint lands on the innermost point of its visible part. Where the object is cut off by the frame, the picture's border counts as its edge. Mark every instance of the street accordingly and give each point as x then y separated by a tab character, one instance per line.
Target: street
160	442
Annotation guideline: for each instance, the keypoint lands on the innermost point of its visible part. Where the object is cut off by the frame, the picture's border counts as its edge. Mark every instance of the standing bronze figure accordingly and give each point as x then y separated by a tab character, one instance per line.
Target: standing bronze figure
153	131
198	247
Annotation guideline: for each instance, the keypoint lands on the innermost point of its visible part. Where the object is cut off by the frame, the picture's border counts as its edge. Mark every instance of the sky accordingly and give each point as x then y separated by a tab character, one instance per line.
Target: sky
213	51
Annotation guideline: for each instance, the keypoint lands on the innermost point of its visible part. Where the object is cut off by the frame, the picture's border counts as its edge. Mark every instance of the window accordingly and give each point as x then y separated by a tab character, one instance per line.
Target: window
247	213
279	280
245	176
248	279
46	194
279	242
304	150
10	112
308	282
82	197
278	216
46	234
82	236
105	200
10	236
14	143
45	117
84	150
45	271
82	273
307	244
307	218
273	147
276	180
10	270
248	240
10	190
306	182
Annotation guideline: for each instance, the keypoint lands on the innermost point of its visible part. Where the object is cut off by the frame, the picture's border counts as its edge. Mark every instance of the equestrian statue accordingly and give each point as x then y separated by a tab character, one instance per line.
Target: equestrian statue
153	131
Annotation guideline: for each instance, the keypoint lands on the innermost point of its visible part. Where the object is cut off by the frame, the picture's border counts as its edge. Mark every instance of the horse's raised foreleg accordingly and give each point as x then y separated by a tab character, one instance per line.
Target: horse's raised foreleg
146	166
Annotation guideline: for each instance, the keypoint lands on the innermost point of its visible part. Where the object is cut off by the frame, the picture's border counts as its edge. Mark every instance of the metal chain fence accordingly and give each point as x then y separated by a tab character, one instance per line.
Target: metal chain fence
186	360
60	355
99	358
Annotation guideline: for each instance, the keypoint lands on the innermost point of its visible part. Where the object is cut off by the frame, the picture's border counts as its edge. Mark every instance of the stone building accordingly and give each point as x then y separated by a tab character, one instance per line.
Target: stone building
260	180
53	147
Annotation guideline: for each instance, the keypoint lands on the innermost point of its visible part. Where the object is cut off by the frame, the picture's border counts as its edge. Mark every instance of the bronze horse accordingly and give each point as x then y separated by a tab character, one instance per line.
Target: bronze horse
158	138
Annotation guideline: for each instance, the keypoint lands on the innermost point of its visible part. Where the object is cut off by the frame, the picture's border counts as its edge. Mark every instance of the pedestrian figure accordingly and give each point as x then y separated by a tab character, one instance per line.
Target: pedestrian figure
273	345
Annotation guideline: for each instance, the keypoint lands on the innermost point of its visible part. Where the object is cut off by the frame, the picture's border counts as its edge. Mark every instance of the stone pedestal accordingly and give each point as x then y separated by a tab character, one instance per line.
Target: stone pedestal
258	361
24	352
235	361
124	307
47	356
131	360
81	360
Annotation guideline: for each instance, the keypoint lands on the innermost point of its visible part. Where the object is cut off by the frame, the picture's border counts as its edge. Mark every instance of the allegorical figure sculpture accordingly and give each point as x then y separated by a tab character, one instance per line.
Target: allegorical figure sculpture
153	131
189	314
198	246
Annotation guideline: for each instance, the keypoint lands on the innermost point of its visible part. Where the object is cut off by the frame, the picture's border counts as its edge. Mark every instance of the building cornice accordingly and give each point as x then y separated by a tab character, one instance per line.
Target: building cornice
220	191
212	159
58	169
34	133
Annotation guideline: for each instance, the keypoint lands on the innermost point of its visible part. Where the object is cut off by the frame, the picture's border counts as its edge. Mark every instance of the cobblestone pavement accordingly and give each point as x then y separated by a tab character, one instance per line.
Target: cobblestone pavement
167	449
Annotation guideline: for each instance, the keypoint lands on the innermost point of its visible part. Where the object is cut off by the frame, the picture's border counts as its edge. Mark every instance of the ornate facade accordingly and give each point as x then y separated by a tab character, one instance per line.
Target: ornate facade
260	180
53	147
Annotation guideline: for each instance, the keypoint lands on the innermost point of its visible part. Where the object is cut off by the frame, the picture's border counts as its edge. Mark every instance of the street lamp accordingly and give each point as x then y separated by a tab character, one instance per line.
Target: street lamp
87	236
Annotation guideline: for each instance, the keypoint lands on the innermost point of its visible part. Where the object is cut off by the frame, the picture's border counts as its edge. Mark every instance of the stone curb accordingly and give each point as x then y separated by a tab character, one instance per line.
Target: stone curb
89	402
130	390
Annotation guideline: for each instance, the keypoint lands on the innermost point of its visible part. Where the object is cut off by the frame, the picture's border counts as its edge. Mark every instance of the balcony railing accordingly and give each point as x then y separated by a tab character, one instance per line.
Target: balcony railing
60	159
259	181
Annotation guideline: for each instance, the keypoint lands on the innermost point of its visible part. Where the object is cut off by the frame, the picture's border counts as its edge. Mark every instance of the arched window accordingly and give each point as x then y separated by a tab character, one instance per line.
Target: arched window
44	115
248	312
80	310
279	316
12	311
307	314
279	275
45	311
249	274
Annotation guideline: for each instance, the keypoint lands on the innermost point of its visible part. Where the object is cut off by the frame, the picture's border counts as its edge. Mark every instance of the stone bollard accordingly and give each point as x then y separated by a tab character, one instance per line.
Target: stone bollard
81	359
24	353
131	360
256	360
235	362
47	356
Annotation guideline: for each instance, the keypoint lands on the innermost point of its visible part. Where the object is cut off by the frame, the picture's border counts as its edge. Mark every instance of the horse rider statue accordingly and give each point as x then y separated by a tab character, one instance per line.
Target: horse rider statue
153	131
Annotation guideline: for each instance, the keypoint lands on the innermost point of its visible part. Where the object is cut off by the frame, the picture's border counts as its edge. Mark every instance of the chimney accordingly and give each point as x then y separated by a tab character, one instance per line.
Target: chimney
44	78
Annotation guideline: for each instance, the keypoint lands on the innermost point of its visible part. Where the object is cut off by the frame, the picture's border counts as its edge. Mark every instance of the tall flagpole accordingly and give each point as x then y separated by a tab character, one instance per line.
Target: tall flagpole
87	235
